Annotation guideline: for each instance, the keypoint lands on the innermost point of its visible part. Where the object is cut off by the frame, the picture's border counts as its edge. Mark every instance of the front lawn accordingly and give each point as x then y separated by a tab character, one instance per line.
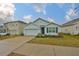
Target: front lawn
66	40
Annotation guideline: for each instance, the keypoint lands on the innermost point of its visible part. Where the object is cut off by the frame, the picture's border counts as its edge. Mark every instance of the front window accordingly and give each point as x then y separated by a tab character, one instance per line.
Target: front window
52	29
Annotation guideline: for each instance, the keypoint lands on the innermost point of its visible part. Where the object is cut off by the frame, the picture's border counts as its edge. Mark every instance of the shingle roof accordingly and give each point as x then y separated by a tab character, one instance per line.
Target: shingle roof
42	20
31	23
70	22
15	21
45	21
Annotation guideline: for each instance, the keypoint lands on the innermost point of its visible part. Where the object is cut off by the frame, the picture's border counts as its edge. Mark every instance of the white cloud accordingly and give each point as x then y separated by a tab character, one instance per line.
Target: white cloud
67	18
51	20
27	18
6	11
40	8
71	13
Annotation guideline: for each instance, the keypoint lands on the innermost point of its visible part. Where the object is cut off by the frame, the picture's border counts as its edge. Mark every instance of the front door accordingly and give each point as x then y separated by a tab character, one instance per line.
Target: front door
42	30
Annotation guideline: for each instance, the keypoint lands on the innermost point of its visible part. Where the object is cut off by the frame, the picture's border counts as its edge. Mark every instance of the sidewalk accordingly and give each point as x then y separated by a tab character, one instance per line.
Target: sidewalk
30	49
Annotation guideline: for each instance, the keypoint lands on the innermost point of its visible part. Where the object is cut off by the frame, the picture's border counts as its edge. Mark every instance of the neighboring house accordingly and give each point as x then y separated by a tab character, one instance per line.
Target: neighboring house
41	26
2	29
71	27
15	27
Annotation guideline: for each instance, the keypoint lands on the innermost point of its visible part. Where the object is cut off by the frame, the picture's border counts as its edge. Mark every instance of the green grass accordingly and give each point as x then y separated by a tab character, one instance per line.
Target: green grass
66	40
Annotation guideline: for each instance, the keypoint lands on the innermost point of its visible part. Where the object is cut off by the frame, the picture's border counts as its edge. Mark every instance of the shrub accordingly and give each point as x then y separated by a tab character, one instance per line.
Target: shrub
7	34
48	36
39	35
22	34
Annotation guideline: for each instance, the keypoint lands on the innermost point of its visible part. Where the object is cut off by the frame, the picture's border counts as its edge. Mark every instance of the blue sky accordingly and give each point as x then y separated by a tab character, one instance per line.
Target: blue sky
59	13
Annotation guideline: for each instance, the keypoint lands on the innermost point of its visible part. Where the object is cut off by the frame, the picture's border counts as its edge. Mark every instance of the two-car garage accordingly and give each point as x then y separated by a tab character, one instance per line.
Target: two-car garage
32	30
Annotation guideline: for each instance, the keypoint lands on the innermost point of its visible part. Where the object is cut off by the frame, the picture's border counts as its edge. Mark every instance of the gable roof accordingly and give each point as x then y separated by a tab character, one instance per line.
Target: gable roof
70	22
52	23
44	21
31	23
41	19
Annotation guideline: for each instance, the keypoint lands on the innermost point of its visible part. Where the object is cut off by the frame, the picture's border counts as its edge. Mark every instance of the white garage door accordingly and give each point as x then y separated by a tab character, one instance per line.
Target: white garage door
33	32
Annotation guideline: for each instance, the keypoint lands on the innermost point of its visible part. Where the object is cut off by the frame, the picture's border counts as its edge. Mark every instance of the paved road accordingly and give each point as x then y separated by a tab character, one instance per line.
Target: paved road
8	45
29	49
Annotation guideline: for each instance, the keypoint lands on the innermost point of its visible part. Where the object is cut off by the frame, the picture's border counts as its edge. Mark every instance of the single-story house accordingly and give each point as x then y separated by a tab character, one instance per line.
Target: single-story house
71	27
43	27
15	27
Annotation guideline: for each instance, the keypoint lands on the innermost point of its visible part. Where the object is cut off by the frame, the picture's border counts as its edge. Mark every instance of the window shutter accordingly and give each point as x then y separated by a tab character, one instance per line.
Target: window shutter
56	29
47	30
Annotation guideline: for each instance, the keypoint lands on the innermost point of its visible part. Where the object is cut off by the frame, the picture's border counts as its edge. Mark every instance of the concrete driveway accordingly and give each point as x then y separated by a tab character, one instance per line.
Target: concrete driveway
8	45
34	50
30	49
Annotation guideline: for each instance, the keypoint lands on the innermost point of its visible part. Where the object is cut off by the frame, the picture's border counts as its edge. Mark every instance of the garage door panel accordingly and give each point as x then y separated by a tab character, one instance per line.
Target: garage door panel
31	32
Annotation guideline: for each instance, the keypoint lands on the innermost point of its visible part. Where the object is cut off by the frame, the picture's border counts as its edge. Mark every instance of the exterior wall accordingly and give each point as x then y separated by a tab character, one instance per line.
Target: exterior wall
67	29
76	29
59	29
12	28
52	25
15	28
21	27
